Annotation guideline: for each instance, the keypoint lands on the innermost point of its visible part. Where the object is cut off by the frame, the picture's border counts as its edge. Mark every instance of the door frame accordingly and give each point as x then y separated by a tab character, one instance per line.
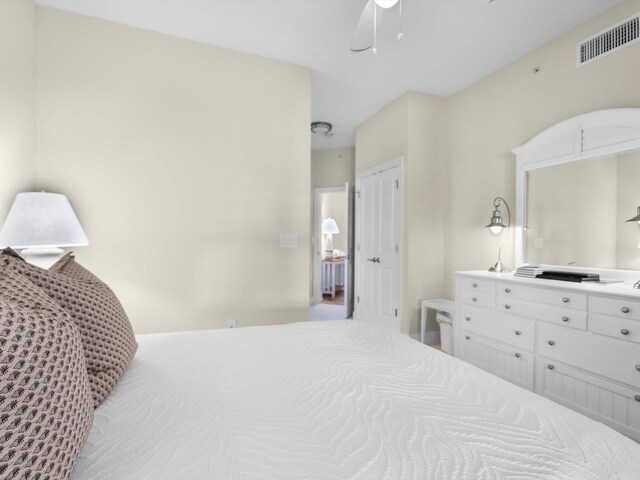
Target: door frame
317	240
397	162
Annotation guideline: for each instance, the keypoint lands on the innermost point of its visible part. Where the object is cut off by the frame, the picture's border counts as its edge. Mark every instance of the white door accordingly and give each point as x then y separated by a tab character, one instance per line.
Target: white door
348	284
378	249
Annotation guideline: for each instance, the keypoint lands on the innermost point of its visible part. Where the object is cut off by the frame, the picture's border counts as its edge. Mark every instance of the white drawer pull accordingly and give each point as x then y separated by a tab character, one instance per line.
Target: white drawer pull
508	290
518	332
624	331
624	309
474	299
550	367
638	368
565	299
468	337
637	397
551	342
507	307
565	319
475	285
517	355
468	319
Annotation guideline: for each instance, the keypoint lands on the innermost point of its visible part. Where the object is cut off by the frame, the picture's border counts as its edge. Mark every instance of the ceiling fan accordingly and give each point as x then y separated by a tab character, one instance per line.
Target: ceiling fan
365	36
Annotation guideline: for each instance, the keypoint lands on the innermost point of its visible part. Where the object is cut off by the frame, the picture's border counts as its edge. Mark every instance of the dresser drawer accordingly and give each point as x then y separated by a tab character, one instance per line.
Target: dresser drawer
566	317
560	298
621	328
515	331
618	307
480	299
478	285
613	359
507	362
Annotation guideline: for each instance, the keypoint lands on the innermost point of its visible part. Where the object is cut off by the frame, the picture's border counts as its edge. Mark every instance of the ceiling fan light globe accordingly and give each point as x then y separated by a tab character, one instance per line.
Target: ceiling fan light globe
386	3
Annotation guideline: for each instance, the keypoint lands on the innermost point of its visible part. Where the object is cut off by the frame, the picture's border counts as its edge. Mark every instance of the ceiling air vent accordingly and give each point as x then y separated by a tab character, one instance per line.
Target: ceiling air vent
610	40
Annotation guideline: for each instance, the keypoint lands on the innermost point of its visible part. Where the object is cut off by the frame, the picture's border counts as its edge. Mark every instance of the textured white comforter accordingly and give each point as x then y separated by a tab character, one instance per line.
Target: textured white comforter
333	400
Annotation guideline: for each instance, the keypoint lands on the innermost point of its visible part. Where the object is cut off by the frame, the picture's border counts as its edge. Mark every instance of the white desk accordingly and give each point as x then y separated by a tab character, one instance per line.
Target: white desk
438	304
332	275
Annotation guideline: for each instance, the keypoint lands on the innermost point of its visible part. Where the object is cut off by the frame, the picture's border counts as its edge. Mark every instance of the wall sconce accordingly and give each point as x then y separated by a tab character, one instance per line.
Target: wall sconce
329	227
497	226
40	223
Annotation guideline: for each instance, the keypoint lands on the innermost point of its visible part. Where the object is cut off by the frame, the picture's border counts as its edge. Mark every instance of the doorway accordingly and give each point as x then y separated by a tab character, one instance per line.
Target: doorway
332	253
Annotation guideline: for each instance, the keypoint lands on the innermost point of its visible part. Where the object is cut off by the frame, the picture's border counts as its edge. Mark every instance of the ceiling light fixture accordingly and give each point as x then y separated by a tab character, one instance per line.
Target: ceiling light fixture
366	34
322	128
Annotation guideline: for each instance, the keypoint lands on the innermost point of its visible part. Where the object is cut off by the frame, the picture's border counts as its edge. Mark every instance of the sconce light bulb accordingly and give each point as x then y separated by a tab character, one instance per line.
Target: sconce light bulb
496	229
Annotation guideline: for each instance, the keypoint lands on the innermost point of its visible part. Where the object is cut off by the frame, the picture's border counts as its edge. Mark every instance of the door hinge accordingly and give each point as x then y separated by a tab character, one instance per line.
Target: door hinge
358	247
358	193
397	248
396	312
397	184
358	297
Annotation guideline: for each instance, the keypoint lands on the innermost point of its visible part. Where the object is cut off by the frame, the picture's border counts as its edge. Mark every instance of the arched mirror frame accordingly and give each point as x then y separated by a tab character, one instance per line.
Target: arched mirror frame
595	134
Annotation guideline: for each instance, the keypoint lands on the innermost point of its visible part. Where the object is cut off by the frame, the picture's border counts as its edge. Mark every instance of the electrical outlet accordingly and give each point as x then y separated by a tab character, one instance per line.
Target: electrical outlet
231	324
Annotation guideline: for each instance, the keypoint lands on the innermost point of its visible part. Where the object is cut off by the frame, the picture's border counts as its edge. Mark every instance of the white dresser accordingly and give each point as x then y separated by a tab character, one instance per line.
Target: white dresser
577	344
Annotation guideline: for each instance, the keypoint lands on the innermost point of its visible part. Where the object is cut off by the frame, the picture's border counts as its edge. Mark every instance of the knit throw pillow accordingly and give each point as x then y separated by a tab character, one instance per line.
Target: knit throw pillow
46	406
107	337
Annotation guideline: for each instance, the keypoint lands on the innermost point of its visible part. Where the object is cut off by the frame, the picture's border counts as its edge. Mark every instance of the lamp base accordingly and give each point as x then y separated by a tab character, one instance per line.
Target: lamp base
499	268
42	257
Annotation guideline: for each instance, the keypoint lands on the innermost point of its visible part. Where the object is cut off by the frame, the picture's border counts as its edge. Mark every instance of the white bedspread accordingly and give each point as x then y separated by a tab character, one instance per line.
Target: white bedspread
333	400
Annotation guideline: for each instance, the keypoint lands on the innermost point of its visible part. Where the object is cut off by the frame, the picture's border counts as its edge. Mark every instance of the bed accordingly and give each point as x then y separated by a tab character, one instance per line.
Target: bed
333	400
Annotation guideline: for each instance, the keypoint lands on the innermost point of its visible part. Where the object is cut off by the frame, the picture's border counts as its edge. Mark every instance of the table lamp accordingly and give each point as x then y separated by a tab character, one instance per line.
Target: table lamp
329	227
39	224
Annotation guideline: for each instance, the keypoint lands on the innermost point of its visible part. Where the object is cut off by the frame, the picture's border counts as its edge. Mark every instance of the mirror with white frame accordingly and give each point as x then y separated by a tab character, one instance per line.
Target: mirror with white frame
576	187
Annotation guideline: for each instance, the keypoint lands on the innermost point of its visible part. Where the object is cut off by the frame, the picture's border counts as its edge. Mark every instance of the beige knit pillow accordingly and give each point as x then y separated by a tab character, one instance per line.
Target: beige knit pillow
46	407
107	337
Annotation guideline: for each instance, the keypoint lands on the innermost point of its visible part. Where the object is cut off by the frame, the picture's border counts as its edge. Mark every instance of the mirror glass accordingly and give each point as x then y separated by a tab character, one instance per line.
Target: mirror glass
576	213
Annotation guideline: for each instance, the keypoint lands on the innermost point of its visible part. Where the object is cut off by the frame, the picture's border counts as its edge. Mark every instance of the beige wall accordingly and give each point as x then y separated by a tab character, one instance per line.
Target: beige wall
410	127
506	109
17	119
184	162
628	234
333	167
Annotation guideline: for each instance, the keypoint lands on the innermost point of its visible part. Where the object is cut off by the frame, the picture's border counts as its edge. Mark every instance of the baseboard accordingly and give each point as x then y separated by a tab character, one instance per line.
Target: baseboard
430	338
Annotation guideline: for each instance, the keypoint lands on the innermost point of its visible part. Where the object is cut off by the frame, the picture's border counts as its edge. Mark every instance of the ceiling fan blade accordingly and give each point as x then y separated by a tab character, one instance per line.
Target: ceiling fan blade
363	36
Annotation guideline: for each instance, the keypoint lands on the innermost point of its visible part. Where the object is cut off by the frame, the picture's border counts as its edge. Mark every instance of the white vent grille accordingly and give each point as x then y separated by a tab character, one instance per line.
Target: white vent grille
610	40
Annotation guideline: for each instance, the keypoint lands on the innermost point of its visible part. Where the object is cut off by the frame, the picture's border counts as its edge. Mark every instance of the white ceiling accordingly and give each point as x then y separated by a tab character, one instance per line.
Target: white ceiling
448	44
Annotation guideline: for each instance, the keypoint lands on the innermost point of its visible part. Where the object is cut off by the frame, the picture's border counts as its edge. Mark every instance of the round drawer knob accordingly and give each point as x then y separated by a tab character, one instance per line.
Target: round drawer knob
518	355
551	342
508	290
565	319
468	337
507	307
624	309
475	285
565	299
637	398
468	319
474	299
624	331
518	332
638	368
550	367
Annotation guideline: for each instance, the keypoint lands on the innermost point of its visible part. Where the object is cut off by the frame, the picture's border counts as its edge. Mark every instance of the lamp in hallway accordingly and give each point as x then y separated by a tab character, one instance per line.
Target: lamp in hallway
497	226
39	224
329	227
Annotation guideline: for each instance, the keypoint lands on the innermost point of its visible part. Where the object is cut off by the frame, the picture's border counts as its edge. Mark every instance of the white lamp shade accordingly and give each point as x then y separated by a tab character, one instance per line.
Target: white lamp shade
329	225
40	219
